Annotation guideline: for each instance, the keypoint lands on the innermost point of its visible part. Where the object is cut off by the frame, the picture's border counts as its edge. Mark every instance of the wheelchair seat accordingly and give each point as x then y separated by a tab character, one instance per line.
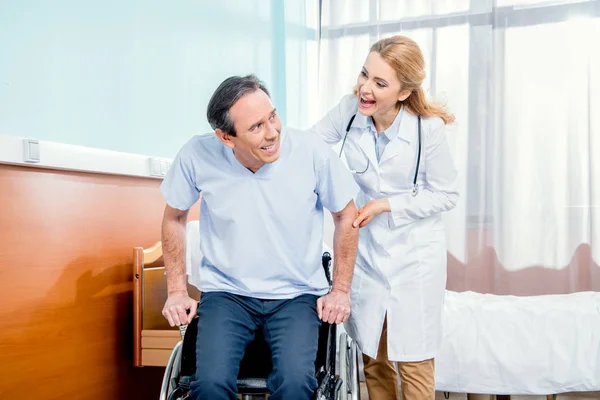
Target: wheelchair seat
255	367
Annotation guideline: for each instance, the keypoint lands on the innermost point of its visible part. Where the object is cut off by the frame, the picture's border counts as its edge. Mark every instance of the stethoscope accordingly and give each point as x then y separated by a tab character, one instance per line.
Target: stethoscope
415	184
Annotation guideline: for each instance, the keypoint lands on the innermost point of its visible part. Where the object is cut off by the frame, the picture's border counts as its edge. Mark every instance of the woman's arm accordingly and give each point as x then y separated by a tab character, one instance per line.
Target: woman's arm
439	193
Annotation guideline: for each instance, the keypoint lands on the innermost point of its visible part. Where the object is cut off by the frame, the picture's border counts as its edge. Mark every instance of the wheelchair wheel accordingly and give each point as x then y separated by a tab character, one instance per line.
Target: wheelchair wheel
348	369
172	371
343	366
354	382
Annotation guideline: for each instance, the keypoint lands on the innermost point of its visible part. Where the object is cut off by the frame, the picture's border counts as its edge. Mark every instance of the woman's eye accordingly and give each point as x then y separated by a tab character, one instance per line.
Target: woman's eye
380	84
363	73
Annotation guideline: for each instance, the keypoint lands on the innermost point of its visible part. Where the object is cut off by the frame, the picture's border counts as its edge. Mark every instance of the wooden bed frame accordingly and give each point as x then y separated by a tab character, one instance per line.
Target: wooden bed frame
153	338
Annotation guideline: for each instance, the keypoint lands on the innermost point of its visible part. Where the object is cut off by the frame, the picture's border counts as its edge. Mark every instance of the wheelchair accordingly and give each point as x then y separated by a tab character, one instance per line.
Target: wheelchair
336	371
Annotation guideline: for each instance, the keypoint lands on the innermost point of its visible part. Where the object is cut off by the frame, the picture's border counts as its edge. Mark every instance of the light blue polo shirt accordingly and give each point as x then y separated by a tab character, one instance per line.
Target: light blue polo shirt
261	233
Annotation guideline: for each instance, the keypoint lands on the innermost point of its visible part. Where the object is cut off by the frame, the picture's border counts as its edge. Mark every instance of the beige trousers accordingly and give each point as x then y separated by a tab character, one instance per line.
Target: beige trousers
417	378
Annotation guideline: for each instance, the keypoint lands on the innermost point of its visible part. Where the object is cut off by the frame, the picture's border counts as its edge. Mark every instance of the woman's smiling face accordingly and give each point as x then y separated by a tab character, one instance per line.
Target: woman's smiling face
378	88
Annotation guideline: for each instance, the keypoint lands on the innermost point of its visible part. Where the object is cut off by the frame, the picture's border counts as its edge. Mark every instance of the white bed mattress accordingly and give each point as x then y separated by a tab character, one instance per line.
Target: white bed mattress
520	345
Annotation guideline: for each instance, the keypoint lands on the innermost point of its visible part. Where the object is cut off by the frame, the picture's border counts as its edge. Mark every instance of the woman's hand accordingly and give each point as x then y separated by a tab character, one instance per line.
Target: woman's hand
370	210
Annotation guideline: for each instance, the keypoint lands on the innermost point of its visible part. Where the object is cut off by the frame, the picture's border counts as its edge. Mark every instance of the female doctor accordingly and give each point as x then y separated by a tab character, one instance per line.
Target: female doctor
394	142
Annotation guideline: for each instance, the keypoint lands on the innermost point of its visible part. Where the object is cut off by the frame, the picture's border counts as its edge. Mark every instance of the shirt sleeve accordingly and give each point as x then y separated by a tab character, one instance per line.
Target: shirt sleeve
439	193
179	187
335	184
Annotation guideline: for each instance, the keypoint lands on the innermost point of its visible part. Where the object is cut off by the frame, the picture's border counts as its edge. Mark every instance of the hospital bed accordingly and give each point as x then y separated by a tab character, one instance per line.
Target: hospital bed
514	345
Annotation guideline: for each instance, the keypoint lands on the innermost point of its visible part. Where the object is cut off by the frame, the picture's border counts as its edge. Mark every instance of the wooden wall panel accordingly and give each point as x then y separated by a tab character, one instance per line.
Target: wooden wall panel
66	244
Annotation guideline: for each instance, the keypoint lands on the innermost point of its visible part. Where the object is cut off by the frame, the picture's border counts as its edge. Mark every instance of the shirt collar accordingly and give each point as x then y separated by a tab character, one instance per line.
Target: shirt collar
363	122
265	170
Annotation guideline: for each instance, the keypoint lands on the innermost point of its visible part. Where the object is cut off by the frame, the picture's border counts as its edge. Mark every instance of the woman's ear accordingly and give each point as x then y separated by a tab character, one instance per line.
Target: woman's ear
225	138
403	95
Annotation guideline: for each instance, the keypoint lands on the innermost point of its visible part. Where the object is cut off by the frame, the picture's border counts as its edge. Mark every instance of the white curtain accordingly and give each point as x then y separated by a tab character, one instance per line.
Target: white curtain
523	78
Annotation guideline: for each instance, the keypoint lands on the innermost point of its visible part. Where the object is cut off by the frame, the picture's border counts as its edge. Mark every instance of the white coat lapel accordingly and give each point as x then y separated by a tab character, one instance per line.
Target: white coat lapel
363	139
367	145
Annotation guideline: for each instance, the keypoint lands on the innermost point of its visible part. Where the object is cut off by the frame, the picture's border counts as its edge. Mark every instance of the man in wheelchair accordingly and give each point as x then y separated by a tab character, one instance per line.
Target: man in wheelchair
263	193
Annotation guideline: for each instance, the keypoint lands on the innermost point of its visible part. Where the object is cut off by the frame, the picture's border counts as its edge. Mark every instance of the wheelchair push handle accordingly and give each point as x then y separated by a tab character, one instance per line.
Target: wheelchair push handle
183	327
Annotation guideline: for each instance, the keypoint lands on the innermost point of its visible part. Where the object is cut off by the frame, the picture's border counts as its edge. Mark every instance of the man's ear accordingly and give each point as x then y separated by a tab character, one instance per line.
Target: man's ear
225	138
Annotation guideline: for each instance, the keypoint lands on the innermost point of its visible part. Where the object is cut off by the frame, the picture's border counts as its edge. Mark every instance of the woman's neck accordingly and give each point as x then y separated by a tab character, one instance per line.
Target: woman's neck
384	121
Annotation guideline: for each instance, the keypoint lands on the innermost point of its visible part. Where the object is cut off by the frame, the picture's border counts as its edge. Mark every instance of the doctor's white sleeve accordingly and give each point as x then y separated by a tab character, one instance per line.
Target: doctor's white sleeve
331	128
439	193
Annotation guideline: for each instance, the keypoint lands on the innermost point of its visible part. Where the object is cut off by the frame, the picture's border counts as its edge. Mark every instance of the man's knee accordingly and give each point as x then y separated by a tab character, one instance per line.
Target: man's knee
214	383
295	379
300	382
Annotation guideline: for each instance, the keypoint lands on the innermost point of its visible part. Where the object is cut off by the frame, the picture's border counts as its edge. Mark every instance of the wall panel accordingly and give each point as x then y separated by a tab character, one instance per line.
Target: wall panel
66	243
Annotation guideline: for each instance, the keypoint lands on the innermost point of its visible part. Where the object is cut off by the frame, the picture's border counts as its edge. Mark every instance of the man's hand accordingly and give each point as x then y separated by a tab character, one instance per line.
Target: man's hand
334	307
176	307
370	210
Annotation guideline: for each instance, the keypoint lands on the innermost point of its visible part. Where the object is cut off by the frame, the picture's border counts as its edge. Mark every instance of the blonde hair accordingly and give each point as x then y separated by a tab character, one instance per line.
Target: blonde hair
404	55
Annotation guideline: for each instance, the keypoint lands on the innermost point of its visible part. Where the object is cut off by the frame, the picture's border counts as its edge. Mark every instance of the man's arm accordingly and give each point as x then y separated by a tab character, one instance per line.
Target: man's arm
173	242
335	306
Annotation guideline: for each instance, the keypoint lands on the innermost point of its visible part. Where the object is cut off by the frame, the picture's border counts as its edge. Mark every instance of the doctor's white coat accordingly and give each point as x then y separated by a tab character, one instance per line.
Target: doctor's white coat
401	263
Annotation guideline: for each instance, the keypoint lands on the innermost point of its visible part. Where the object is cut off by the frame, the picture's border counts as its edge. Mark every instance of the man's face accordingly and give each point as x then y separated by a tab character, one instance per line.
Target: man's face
258	129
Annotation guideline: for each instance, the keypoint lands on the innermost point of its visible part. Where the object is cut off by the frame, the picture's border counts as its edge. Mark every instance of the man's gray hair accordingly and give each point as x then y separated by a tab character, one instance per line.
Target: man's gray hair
228	92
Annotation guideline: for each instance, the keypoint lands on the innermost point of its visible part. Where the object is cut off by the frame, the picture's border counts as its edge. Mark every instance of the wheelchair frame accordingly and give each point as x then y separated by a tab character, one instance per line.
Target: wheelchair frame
334	383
